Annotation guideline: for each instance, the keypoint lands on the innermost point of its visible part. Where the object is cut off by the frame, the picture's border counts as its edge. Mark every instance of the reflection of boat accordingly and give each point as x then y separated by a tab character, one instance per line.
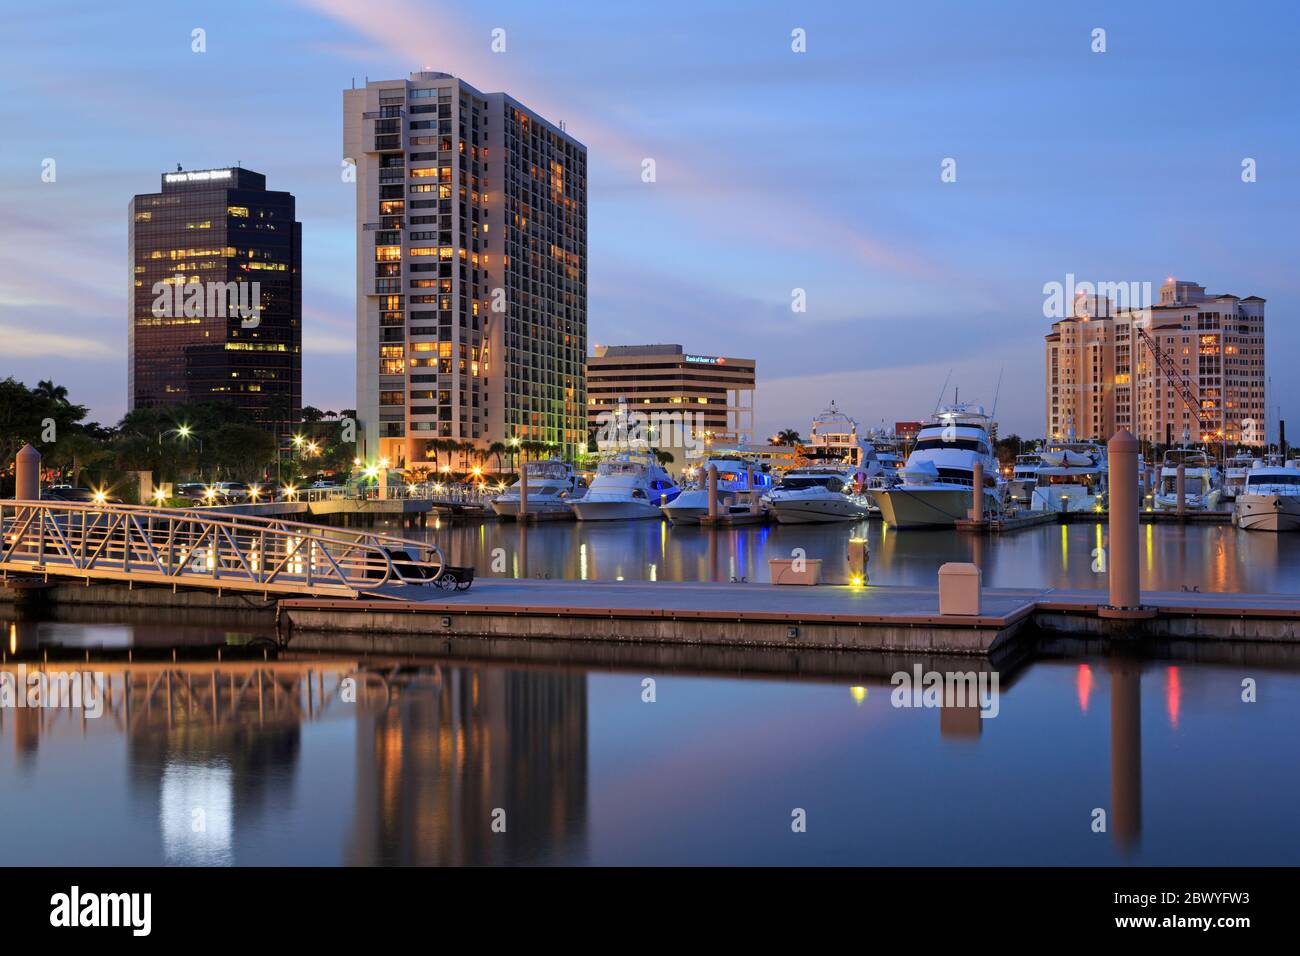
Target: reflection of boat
819	494
1270	500
552	484
1071	476
1235	471
628	485
1201	491
939	477
739	481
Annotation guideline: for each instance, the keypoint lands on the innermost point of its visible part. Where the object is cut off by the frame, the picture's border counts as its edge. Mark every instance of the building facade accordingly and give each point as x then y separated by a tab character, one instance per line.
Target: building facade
1101	374
216	296
695	402
471	270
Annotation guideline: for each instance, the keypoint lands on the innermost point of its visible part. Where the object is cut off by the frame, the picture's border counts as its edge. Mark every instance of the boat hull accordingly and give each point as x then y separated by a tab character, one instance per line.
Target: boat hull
1268	512
922	507
614	510
818	510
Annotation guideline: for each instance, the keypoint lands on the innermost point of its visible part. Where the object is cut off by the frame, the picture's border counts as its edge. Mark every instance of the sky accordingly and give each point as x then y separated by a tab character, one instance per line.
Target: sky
775	171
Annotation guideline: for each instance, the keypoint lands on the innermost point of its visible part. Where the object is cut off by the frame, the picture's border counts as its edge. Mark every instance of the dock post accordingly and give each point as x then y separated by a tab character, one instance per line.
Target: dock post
523	494
1180	488
858	557
1122	565
977	499
27	474
713	492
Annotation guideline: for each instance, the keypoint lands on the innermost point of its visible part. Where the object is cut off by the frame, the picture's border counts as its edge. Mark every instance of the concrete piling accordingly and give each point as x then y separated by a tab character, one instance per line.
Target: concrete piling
1180	488
27	474
1122	564
977	498
713	491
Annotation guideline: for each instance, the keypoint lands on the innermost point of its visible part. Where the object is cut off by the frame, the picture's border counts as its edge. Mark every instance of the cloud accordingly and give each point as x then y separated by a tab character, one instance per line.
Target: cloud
27	342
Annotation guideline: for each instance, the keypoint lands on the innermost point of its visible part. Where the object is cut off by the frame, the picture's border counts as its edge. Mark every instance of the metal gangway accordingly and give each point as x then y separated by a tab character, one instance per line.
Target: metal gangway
196	548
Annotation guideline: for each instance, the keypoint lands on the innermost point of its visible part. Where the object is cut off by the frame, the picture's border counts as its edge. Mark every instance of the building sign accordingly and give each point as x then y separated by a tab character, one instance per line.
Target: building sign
198	176
706	360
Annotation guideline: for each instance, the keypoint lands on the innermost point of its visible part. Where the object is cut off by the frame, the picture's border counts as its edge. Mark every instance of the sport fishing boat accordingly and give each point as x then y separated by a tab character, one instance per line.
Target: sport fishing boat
628	485
1071	476
1235	471
740	482
939	478
820	494
1201	484
1024	478
552	484
1271	498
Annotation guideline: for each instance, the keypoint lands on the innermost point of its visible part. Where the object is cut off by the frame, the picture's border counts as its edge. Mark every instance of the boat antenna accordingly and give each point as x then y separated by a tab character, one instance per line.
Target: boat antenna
939	401
996	392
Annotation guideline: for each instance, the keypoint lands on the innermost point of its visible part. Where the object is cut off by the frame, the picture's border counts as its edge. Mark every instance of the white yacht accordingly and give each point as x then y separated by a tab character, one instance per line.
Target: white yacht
1235	471
1271	498
552	484
938	479
1071	476
818	494
1201	486
833	440
739	482
1024	478
628	485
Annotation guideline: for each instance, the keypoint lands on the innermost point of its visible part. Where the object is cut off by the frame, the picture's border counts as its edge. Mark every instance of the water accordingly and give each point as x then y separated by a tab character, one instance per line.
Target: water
1211	557
711	772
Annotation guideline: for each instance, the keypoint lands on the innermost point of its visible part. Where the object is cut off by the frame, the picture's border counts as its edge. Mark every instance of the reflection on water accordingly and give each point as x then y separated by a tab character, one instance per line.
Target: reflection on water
255	762
1210	557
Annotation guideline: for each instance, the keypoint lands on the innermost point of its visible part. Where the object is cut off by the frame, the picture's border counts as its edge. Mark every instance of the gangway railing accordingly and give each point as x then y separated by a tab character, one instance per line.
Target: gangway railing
202	548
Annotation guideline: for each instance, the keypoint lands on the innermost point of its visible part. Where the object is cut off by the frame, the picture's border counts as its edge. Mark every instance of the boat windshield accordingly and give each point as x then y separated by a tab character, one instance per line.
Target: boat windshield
829	482
620	468
551	470
1257	481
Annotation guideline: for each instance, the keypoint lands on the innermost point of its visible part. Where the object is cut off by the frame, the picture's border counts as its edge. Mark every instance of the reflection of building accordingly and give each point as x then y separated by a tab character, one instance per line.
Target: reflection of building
433	768
675	390
232	245
1101	376
471	269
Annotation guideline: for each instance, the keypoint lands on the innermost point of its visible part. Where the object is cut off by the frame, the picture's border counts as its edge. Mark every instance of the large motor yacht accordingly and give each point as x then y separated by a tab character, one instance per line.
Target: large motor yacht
1235	471
1024	478
819	494
552	484
740	483
939	477
627	485
1071	476
1271	498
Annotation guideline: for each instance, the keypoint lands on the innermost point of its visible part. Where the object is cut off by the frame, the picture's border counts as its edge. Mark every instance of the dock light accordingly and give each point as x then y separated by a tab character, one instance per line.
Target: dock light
298	440
372	472
856	581
859	694
100	497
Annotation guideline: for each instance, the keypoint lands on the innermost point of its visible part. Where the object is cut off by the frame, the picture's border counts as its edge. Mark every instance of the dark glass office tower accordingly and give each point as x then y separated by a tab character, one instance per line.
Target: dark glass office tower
216	295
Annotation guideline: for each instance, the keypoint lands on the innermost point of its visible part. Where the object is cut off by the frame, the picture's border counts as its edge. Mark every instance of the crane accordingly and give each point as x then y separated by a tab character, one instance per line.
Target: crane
1175	375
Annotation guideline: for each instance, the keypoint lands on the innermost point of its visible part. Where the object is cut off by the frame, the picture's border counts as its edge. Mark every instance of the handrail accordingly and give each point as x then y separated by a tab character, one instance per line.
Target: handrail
205	548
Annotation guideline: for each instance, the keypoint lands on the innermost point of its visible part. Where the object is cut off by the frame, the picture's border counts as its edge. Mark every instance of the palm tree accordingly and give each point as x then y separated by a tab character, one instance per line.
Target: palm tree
788	436
47	390
497	448
664	457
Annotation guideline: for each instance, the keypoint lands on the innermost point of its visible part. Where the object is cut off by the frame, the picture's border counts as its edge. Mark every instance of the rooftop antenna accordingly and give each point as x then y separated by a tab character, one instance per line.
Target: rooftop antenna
179	168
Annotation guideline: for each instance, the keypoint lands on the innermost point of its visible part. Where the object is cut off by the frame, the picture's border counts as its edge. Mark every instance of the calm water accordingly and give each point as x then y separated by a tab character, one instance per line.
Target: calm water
1211	557
711	771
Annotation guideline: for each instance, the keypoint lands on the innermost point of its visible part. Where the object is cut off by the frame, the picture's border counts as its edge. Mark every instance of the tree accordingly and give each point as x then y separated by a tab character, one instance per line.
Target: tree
311	415
48	390
497	448
788	437
664	457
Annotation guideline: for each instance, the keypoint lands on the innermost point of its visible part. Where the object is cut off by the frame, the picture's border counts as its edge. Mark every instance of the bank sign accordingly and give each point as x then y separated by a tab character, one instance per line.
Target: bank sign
706	360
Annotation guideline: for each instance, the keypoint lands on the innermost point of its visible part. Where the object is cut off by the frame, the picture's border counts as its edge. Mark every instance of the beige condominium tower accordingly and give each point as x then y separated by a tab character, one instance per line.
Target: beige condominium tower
1102	375
471	270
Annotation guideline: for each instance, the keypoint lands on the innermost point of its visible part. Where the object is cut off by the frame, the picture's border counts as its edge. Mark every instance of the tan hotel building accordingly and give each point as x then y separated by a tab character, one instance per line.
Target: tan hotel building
471	229
1101	376
715	391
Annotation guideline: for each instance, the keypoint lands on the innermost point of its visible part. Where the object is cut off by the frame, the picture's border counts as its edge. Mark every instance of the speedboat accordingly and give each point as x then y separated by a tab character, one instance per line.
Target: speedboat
629	485
818	494
1271	498
1071	476
739	483
939	478
552	484
1201	488
1235	471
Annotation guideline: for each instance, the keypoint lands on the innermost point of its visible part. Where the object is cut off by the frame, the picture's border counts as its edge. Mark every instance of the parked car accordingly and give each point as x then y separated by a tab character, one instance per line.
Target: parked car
194	492
83	496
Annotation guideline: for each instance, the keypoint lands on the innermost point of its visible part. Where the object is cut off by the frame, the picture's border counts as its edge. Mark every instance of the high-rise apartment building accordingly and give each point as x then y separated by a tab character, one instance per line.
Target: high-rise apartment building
471	269
216	295
695	401
1101	373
